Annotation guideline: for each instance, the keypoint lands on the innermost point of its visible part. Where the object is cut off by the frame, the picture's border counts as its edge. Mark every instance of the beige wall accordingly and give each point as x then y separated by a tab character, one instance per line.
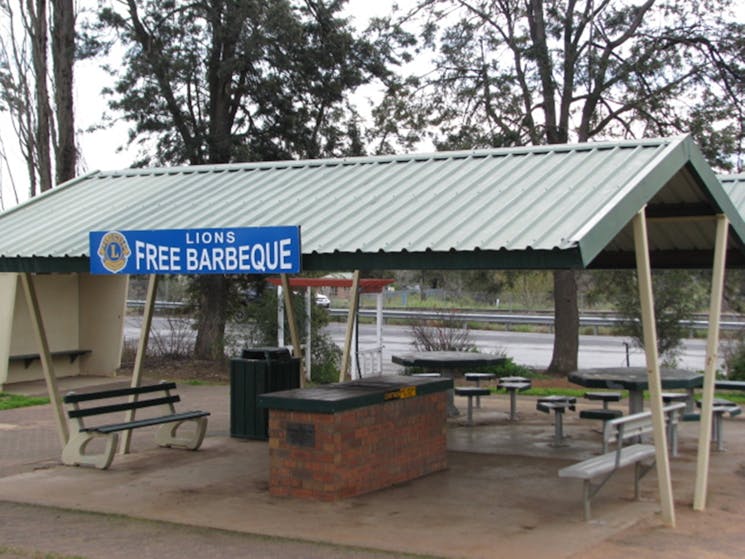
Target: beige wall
103	301
79	311
8	283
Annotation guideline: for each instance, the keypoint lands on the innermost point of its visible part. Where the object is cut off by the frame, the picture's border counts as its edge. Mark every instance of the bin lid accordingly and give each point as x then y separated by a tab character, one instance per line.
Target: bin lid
266	353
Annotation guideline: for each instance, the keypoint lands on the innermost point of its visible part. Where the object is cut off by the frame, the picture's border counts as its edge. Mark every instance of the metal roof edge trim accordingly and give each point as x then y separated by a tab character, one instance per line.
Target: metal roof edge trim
51	192
567	258
44	265
382	159
592	237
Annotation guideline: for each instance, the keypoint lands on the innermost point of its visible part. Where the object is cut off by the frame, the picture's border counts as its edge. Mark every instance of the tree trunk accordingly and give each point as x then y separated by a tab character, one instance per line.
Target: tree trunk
212	297
566	323
63	58
38	32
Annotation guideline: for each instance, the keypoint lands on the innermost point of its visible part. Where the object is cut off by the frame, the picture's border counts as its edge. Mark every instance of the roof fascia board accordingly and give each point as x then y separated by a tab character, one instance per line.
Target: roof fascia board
470	260
45	265
431	260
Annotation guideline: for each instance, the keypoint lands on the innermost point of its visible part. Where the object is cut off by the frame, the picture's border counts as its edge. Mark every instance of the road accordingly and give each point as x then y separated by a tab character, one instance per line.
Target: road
529	349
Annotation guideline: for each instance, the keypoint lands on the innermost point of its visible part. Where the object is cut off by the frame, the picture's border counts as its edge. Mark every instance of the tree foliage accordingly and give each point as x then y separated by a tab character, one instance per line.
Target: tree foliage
44	124
220	81
526	72
678	294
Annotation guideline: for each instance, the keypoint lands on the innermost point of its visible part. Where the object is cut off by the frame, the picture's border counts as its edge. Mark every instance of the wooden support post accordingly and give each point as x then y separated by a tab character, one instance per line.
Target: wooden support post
297	351
710	369
644	275
147	321
351	317
37	323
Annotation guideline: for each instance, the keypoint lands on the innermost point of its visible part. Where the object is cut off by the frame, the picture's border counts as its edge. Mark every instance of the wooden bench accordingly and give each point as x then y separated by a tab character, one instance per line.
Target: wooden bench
29	358
619	430
157	395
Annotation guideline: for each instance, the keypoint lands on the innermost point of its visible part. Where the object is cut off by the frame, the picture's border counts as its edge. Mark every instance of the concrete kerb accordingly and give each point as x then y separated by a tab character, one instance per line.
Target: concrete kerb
501	490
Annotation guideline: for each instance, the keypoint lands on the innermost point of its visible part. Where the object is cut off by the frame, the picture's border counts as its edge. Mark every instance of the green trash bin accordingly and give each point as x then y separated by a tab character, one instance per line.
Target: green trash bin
258	370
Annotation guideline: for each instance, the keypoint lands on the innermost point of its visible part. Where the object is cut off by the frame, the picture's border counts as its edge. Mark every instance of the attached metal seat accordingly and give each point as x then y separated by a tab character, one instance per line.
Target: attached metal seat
470	392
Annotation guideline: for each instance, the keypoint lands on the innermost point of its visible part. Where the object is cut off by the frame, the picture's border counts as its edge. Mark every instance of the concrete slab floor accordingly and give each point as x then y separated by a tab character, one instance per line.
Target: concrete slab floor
500	496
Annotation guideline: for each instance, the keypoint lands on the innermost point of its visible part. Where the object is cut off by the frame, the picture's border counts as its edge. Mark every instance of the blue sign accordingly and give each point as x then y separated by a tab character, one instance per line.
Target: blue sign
244	250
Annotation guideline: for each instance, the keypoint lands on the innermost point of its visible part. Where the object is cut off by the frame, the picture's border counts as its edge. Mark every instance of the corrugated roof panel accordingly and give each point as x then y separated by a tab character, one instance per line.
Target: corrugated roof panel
734	186
568	198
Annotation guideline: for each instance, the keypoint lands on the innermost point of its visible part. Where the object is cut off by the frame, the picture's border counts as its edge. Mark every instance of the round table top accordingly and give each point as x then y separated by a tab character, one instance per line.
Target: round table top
635	378
447	359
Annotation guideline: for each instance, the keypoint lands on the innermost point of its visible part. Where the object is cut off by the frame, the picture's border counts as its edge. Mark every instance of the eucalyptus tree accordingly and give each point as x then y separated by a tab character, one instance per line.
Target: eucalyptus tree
43	124
220	81
519	72
678	295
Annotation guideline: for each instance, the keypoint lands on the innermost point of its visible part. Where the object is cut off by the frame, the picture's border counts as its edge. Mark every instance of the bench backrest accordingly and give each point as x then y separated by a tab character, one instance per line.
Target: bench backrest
76	412
635	425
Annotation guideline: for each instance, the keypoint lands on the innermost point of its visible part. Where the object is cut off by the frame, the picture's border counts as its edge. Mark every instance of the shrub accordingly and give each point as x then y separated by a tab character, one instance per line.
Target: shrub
734	359
443	334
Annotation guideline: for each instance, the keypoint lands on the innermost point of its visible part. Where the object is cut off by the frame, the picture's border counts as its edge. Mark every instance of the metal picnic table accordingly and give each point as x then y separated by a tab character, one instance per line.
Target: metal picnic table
636	381
448	363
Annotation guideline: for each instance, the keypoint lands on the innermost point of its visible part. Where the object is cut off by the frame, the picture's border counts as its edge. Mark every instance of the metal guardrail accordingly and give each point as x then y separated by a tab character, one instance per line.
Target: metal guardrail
135	304
508	319
518	319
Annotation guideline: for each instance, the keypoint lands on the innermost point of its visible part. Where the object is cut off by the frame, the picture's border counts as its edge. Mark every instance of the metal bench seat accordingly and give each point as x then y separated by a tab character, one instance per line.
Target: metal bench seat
470	392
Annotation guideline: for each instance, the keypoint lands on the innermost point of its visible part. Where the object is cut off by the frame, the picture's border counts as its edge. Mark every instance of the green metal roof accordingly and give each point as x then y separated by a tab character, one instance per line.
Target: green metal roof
734	186
564	206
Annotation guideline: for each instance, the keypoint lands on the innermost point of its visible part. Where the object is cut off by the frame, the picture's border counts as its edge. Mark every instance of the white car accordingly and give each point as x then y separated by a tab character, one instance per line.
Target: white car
322	301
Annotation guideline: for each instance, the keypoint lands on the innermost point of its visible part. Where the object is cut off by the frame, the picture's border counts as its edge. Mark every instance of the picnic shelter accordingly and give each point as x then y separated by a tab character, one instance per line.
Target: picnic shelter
628	204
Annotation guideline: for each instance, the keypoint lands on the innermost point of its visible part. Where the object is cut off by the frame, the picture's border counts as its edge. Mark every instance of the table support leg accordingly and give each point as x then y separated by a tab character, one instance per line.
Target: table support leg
513	405
559	428
470	410
717	431
636	401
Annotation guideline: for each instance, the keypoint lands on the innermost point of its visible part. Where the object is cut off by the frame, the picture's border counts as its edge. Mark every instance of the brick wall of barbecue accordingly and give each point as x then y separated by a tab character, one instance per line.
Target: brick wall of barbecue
360	450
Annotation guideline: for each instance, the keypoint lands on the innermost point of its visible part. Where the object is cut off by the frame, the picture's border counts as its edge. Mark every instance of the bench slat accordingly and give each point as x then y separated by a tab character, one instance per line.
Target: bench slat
118	392
114	427
124	406
606	463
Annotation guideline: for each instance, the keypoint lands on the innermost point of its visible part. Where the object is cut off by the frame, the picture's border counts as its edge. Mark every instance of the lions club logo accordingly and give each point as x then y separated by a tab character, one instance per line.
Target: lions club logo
114	251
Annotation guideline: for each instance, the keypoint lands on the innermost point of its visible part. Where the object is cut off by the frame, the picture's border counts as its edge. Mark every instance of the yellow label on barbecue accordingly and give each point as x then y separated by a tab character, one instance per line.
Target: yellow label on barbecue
405	392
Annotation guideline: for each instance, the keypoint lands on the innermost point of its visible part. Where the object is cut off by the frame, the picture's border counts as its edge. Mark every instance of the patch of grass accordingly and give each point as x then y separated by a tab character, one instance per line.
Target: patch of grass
10	401
736	397
198	382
